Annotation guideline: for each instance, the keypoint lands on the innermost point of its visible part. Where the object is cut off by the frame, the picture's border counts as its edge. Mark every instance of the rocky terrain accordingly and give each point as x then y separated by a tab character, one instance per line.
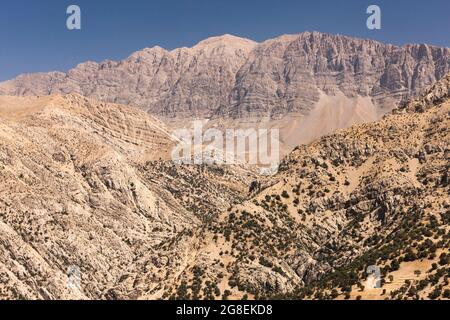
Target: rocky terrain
88	187
372	195
235	77
277	83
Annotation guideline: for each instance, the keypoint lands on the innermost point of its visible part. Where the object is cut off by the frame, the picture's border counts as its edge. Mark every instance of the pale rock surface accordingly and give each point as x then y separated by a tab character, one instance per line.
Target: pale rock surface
228	76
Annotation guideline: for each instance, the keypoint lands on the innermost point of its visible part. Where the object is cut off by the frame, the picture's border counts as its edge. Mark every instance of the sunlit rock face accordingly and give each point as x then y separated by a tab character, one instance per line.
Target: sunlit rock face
228	76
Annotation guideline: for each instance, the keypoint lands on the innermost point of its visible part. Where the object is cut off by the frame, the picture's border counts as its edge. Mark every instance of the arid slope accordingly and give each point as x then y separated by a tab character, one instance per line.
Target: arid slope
89	185
373	195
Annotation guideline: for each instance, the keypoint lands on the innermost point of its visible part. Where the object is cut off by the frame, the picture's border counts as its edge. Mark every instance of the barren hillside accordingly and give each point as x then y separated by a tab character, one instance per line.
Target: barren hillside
307	85
89	185
373	195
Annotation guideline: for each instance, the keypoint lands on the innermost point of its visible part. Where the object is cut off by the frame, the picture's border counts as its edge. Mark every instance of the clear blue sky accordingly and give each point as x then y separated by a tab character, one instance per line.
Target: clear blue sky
33	34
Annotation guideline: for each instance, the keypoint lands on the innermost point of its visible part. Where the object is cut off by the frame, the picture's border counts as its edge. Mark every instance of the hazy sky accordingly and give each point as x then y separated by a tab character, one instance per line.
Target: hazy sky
34	37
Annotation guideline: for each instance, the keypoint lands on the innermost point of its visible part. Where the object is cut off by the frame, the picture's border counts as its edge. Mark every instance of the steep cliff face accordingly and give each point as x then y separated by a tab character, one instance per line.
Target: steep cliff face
287	73
233	77
183	82
374	195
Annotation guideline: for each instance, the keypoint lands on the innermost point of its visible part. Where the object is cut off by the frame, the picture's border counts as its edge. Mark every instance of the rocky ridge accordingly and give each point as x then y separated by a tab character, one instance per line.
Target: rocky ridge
372	195
233	77
90	185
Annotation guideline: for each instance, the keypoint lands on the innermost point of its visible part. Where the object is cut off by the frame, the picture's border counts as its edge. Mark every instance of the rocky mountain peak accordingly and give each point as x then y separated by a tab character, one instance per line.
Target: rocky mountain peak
433	96
226	40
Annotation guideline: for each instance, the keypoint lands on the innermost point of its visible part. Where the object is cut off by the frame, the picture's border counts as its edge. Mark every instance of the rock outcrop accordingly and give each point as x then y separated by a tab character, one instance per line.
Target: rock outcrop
92	207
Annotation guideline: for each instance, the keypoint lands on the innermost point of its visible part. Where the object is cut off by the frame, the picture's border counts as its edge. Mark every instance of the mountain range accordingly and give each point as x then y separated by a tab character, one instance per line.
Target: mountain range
87	182
288	82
